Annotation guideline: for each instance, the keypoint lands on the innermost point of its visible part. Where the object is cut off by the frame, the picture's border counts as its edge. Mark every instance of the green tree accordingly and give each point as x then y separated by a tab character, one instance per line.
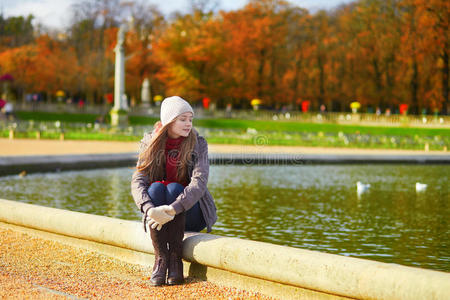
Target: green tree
16	31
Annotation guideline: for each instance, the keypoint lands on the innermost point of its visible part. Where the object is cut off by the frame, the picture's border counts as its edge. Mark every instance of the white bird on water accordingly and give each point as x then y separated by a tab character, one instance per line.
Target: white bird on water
362	187
420	187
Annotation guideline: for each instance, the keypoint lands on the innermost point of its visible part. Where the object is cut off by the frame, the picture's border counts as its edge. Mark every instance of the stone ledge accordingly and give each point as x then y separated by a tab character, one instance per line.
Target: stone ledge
266	268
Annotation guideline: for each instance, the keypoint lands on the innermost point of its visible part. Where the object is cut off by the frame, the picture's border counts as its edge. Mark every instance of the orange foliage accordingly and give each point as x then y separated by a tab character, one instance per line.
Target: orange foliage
379	52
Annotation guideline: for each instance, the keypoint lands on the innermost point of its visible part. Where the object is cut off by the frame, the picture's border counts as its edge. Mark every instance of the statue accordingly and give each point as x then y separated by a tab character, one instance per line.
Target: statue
121	35
145	93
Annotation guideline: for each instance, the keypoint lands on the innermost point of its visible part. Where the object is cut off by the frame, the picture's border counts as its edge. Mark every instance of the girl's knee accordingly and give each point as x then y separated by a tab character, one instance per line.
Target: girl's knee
156	186
157	193
175	188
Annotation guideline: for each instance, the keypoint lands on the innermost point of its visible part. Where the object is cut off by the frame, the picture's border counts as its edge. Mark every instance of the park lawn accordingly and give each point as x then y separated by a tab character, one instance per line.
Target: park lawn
292	126
50	116
259	125
319	143
72	135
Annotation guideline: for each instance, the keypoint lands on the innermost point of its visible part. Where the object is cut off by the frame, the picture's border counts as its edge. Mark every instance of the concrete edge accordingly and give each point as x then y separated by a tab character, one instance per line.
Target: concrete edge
263	262
12	165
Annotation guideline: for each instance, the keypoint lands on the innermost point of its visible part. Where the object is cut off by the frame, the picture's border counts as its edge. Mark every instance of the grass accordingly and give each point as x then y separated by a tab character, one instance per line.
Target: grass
259	125
72	135
286	126
329	140
49	116
139	120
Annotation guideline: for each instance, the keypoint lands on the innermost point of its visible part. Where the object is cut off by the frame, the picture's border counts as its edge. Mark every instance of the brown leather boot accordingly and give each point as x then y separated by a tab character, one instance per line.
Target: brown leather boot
175	238
159	241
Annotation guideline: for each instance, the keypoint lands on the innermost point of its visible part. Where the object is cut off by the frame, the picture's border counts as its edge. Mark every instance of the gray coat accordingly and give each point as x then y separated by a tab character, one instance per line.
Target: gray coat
195	191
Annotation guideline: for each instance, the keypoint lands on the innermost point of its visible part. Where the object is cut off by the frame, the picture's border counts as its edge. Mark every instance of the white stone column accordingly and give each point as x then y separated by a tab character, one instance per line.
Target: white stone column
119	113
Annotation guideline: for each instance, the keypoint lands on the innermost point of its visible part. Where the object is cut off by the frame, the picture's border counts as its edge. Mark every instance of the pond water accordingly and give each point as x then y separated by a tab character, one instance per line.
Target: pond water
309	207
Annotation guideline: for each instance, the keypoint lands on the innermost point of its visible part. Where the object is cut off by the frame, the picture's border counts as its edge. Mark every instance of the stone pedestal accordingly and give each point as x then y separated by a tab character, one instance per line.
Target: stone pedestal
119	117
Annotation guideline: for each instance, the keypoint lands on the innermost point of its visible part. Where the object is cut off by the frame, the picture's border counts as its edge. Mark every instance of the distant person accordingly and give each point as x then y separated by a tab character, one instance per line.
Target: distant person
35	100
323	108
99	120
169	187
2	111
9	111
80	104
378	111
228	110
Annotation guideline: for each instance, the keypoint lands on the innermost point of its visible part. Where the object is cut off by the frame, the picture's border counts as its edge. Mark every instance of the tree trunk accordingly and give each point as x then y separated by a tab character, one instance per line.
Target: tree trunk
445	78
298	65
415	88
272	77
260	74
378	83
321	79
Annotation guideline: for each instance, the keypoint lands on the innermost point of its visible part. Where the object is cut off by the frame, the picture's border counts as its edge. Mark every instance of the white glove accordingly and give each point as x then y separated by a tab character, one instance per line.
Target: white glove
153	224
159	215
170	210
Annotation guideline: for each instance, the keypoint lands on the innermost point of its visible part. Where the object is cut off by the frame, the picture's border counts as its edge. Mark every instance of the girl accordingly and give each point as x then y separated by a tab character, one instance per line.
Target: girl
169	187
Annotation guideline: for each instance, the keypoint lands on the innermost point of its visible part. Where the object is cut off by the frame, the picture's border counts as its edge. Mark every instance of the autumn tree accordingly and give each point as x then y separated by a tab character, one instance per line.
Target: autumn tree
255	42
146	27
89	33
299	47
45	66
189	50
378	52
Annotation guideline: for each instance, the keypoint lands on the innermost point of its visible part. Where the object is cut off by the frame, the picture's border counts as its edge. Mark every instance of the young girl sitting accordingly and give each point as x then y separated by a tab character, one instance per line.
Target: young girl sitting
170	187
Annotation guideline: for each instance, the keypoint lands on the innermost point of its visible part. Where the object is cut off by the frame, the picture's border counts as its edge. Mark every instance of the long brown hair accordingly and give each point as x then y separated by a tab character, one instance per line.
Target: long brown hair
152	161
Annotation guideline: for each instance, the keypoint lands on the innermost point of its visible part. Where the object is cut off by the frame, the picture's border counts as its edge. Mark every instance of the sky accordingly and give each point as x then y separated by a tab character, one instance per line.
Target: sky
56	13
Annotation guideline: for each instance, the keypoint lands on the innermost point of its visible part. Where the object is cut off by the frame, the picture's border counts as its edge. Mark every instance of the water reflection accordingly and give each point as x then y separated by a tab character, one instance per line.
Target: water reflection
317	207
311	207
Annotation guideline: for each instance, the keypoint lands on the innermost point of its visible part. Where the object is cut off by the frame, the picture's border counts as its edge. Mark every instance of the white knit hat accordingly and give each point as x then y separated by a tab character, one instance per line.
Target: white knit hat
172	107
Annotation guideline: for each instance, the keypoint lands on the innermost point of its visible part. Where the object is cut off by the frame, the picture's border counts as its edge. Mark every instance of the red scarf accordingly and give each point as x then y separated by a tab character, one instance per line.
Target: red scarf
172	151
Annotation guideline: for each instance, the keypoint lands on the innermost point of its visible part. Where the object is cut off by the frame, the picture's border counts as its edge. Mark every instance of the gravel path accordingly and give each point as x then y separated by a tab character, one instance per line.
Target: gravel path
36	268
55	147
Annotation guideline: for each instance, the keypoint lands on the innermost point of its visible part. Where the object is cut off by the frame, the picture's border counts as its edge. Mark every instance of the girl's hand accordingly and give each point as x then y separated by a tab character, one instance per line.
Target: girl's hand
170	210
159	215
153	224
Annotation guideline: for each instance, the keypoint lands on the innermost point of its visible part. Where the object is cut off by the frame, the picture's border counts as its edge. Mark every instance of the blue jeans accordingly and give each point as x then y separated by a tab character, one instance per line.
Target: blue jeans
166	195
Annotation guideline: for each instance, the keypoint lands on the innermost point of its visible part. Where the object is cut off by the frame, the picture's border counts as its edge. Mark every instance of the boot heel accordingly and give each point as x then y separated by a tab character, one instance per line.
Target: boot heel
175	275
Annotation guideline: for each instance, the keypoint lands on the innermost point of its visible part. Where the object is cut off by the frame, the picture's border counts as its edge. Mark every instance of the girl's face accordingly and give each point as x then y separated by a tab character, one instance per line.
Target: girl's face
182	126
